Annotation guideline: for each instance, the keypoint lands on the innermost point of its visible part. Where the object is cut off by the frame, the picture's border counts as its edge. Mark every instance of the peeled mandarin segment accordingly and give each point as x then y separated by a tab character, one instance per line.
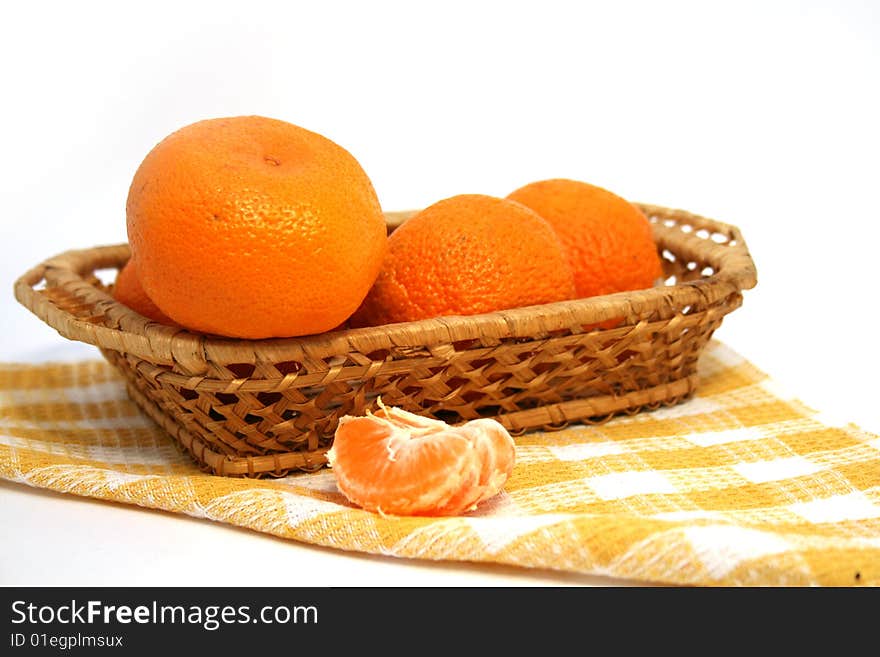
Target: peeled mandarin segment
400	463
468	489
465	484
383	468
495	452
430	473
498	454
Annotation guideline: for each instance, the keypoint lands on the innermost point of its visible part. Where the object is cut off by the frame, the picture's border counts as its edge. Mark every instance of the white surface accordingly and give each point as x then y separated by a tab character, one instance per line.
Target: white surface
55	539
761	114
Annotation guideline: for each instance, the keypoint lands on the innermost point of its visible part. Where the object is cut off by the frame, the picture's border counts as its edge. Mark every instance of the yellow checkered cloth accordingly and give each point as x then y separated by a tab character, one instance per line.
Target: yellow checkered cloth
738	486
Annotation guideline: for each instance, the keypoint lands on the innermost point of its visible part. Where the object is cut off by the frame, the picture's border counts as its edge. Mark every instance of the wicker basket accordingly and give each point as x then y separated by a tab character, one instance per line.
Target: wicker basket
268	407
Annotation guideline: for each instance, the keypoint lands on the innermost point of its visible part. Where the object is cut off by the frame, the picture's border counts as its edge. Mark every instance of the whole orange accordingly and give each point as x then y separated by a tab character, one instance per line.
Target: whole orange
465	255
127	290
253	227
607	239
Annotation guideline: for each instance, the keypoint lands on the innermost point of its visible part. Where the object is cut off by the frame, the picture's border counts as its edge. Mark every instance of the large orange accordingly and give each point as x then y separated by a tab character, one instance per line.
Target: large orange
465	255
607	239
252	227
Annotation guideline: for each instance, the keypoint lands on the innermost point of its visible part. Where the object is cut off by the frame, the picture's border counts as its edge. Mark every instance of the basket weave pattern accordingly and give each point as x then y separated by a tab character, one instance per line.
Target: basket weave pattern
268	407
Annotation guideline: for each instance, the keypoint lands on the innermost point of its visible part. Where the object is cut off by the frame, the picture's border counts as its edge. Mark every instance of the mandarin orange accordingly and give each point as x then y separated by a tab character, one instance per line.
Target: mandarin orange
127	290
608	240
465	255
253	227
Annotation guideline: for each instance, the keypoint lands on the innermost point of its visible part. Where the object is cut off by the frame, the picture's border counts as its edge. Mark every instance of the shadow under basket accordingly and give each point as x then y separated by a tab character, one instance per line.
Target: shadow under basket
269	407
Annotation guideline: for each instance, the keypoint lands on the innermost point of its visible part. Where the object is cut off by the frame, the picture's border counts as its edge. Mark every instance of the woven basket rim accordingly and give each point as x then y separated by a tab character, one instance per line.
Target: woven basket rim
129	332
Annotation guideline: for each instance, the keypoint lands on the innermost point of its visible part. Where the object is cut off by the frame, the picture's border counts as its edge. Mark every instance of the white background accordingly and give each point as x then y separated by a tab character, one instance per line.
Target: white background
760	114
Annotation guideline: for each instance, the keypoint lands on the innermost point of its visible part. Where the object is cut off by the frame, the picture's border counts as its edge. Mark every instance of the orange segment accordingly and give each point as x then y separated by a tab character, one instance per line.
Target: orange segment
396	462
497	454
